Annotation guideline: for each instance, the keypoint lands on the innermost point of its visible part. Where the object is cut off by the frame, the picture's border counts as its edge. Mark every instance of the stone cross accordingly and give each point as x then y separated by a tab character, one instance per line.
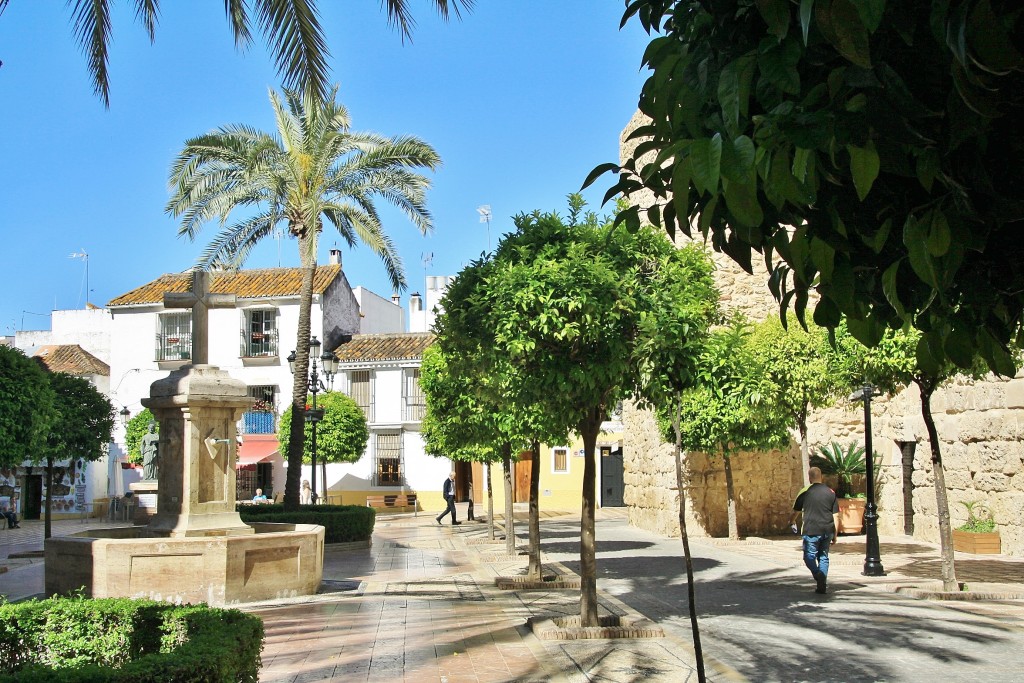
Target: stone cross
200	300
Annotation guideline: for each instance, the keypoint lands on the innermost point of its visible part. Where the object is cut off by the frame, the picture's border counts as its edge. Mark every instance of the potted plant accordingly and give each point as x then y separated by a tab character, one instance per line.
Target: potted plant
978	534
844	464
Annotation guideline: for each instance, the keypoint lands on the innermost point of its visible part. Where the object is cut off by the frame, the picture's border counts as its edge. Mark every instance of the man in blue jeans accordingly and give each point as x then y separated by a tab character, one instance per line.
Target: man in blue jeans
820	511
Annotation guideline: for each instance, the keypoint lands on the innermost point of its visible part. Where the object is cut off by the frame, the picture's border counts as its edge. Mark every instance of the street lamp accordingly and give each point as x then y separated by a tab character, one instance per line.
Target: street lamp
329	364
125	415
872	559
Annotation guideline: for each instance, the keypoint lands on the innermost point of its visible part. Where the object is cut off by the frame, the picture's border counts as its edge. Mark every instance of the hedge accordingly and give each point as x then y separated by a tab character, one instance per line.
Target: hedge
342	523
77	639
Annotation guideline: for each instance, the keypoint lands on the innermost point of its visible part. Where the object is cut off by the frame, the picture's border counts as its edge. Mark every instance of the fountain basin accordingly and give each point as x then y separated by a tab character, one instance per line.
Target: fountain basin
277	561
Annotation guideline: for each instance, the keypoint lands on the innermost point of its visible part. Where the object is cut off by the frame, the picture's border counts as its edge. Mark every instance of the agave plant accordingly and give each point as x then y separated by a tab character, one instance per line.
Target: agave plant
844	463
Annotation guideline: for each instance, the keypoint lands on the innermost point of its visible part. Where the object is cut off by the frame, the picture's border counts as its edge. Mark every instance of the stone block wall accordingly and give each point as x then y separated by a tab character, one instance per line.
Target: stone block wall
980	426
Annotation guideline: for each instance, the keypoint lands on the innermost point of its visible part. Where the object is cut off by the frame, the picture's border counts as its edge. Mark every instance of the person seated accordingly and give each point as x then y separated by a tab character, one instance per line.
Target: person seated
259	497
12	519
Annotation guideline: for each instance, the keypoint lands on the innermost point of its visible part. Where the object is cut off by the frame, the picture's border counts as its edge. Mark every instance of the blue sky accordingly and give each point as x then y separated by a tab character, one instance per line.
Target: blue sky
521	98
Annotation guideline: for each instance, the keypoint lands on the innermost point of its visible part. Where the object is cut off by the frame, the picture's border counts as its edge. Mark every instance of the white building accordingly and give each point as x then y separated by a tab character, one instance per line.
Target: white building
423	310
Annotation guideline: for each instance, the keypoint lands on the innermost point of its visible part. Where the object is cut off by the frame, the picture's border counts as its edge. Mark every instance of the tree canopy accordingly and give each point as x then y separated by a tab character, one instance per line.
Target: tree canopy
869	150
342	434
84	419
26	407
136	428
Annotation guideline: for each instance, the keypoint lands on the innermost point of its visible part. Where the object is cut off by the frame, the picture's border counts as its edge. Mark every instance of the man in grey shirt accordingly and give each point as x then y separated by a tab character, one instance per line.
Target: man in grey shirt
820	511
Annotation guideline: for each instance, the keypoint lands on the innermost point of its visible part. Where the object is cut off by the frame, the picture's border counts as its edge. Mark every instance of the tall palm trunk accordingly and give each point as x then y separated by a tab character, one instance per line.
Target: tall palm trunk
688	559
730	495
510	525
300	381
949	582
534	569
589	428
805	451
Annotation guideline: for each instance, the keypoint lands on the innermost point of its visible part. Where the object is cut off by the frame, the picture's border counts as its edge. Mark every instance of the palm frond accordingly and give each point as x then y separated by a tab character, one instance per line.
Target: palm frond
400	16
239	19
297	41
91	21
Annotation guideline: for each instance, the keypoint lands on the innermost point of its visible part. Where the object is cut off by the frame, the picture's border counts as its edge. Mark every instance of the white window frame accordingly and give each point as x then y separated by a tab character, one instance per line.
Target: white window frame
414	401
371	376
377	436
174	325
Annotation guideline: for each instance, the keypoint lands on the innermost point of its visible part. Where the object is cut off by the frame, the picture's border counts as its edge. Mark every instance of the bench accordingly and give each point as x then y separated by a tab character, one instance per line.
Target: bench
393	500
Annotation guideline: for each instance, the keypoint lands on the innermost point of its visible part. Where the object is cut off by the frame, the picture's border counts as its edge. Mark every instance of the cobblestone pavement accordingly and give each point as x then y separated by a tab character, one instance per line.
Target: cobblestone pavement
420	604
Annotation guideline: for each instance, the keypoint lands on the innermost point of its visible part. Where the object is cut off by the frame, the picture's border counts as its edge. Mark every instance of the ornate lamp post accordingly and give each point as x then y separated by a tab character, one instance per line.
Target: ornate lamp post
125	416
872	559
329	364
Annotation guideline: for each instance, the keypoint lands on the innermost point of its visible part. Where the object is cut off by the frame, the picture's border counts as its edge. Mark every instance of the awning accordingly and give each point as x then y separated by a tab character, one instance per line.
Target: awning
254	451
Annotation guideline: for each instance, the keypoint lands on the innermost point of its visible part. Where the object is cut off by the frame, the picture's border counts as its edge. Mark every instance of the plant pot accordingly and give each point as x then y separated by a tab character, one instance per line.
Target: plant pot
978	544
851	515
128	466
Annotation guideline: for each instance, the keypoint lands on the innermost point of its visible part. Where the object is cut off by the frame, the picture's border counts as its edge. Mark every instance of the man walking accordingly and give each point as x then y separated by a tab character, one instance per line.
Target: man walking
448	490
820	511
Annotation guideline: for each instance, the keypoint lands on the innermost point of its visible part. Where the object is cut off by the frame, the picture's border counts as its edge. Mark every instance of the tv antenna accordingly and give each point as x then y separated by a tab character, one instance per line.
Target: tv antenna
485	217
82	255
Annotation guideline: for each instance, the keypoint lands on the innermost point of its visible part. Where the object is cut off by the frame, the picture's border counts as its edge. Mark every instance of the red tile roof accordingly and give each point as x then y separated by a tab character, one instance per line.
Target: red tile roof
378	347
70	358
247	284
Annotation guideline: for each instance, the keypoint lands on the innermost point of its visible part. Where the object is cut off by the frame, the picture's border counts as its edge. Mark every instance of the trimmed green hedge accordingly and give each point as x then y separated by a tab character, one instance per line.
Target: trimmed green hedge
122	640
342	523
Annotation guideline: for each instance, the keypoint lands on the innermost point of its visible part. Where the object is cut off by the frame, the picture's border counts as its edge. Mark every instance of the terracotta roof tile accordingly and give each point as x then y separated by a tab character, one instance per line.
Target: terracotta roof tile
247	284
70	358
378	347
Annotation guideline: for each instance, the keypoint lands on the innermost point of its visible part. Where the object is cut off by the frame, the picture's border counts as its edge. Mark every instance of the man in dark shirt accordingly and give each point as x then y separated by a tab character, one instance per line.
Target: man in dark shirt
820	511
448	491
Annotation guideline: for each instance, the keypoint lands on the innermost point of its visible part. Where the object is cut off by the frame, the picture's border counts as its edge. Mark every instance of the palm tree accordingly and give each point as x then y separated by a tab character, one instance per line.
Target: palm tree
291	29
313	168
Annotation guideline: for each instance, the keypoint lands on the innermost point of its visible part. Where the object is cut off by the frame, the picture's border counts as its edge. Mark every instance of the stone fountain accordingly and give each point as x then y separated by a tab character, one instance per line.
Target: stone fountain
196	548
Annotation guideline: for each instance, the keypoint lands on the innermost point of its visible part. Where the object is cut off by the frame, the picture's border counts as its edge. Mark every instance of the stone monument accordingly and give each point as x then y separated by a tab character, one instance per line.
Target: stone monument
196	547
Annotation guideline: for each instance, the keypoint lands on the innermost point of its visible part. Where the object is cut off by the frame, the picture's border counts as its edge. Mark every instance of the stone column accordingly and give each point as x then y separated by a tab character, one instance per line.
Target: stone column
198	408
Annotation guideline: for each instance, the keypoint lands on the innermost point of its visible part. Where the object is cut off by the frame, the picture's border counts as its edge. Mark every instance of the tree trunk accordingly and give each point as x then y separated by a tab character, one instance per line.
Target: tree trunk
534	570
730	495
300	381
805	451
949	582
490	502
589	428
694	627
49	497
510	525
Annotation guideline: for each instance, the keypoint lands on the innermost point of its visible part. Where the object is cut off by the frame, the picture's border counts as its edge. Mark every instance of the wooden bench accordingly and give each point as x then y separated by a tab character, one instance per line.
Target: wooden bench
393	500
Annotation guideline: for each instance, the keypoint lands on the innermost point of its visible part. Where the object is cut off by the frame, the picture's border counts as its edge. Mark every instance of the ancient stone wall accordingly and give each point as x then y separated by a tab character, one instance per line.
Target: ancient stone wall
980	426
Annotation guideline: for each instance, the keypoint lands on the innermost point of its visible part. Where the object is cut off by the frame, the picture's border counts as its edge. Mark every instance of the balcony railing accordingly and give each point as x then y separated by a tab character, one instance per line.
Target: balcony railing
259	344
173	346
259	423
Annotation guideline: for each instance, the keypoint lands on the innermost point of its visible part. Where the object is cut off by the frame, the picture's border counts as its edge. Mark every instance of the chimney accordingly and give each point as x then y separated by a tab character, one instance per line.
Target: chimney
395	299
415	303
335	257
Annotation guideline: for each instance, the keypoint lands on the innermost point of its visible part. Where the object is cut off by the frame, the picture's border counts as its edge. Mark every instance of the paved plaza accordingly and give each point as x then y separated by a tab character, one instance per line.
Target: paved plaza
420	604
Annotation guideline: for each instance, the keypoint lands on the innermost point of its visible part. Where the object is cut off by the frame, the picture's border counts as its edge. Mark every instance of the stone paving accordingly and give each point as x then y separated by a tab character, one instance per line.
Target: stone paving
420	604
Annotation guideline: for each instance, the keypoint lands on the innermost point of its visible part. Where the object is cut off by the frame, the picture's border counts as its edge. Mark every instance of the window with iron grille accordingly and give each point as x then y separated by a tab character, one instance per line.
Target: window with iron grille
388	453
174	336
259	333
561	460
360	389
415	400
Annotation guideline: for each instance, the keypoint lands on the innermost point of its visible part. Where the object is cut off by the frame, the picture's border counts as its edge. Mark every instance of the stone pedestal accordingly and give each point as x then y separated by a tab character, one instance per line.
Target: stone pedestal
145	494
198	407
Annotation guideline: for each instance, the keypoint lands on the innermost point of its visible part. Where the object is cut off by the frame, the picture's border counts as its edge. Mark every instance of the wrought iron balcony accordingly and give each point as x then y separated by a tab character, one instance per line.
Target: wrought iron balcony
173	346
259	344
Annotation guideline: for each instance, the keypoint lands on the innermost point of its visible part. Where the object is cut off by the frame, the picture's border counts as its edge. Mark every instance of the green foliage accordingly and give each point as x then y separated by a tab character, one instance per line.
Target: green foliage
342	523
138	427
85	419
340	437
869	150
26	408
734	405
809	370
122	640
844	463
460	423
980	523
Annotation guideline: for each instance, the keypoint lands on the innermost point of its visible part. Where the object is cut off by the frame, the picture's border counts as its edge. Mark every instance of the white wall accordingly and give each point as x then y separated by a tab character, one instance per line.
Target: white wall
378	315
